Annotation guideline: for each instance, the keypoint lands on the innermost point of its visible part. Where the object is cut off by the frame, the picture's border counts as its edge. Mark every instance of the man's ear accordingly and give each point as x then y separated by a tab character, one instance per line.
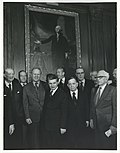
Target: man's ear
77	84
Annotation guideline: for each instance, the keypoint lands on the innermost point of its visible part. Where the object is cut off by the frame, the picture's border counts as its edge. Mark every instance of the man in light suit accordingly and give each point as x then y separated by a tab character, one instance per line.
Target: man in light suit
13	111
103	113
33	100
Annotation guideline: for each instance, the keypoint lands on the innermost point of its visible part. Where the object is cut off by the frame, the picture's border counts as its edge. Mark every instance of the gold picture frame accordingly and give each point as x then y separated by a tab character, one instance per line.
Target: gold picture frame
29	11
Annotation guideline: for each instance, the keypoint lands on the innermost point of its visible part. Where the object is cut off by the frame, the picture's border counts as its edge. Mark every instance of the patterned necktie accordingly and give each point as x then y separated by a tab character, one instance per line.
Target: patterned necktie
97	96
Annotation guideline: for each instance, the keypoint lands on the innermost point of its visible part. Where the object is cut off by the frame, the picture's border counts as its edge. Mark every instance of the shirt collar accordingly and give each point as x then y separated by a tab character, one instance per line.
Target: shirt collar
63	80
54	91
83	81
76	93
23	84
7	84
38	83
103	86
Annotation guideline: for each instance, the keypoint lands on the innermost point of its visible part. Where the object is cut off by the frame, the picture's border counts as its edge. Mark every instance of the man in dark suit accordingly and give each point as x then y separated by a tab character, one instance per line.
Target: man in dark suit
13	111
55	114
33	100
93	77
62	79
22	75
77	116
85	86
114	81
103	113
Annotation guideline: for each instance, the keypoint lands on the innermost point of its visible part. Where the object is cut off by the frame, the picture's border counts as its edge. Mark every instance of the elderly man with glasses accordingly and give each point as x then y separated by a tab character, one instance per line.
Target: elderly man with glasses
103	113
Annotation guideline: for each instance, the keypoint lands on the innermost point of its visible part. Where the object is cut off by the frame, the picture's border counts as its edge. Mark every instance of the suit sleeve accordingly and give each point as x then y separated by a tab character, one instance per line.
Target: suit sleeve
92	104
64	111
10	114
114	108
25	103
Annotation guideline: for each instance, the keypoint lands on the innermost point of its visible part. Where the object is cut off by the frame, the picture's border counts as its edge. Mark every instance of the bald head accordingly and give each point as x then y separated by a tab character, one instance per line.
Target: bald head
9	74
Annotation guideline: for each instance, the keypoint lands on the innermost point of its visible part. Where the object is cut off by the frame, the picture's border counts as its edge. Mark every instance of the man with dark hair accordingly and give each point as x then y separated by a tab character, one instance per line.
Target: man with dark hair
13	111
33	100
85	86
55	114
62	78
22	75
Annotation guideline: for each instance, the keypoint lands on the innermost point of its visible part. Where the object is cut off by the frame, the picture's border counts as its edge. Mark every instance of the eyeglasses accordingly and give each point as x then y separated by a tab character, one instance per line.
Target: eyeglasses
100	77
80	73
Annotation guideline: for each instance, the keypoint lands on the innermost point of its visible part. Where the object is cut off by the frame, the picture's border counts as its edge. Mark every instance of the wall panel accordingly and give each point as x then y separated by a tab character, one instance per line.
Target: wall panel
97	32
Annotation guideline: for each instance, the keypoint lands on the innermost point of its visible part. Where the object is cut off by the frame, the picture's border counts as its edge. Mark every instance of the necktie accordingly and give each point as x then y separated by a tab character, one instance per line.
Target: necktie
97	97
24	84
81	86
51	93
57	38
74	98
10	87
36	85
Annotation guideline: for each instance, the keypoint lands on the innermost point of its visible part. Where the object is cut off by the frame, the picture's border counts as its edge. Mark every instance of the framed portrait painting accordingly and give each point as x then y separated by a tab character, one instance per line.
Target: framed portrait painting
43	48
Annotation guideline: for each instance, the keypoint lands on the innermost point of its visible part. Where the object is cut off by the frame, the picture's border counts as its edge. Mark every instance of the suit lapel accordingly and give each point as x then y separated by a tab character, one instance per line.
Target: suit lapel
104	93
94	94
55	92
40	91
33	89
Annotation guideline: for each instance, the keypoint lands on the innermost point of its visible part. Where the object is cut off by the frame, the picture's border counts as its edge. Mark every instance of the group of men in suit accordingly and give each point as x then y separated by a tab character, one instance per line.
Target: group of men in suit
63	113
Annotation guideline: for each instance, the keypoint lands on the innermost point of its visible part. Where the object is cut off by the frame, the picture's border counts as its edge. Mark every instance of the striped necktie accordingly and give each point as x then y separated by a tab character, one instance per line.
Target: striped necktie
97	96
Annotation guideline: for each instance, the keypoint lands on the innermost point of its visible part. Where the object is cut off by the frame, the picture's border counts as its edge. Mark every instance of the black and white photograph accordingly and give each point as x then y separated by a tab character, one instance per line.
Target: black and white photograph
60	76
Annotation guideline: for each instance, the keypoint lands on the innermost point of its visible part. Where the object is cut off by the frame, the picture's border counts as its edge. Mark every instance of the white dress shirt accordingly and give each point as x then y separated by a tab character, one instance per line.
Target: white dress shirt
102	88
7	84
38	83
53	91
76	93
